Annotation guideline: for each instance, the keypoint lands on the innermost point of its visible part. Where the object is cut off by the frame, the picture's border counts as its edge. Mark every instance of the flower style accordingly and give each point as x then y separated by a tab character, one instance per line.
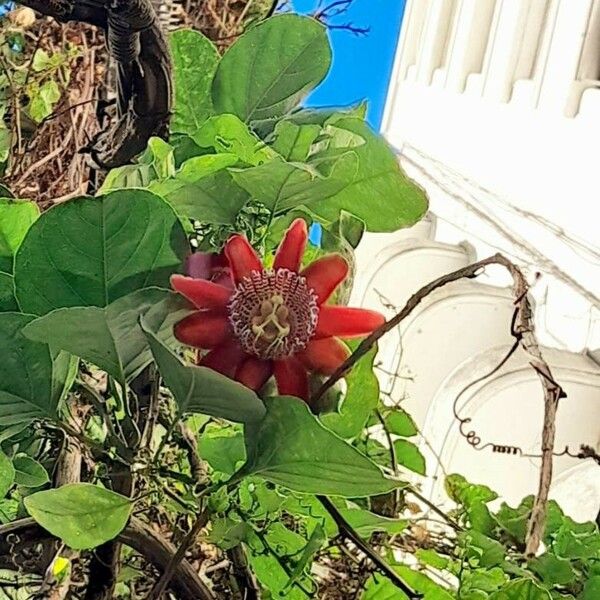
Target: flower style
258	322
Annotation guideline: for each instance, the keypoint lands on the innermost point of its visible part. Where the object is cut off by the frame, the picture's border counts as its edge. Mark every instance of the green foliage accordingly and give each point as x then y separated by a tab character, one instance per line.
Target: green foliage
268	71
111	337
195	60
92	251
32	377
202	390
7	474
82	515
84	290
16	217
29	472
291	448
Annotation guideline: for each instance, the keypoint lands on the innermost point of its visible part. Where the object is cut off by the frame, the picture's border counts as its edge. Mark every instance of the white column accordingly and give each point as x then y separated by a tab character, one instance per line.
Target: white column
470	43
560	67
436	38
412	41
516	45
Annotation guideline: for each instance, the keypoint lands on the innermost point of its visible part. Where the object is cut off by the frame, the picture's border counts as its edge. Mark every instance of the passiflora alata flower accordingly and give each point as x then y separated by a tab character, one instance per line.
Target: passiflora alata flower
257	322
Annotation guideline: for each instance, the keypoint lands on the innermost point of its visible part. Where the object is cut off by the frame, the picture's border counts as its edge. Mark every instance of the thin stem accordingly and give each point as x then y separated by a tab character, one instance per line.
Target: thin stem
349	533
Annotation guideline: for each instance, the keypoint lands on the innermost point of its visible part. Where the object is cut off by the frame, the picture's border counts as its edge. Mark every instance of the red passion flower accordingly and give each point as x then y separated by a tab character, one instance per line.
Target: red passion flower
258	322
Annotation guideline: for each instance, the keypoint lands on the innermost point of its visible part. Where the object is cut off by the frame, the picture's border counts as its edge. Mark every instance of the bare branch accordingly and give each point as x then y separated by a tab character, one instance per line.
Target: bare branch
523	331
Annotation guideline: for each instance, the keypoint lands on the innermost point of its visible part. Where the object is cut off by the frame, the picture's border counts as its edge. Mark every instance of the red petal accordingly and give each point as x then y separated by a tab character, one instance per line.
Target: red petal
290	251
224	359
344	322
202	293
324	356
291	377
325	274
242	257
254	372
199	265
203	330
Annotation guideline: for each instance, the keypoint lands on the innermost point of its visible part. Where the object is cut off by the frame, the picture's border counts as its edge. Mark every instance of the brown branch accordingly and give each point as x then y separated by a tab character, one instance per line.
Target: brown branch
178	557
136	535
523	331
244	577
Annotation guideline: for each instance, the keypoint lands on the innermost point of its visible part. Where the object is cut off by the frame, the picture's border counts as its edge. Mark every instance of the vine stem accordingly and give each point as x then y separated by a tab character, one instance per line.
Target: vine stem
348	532
524	334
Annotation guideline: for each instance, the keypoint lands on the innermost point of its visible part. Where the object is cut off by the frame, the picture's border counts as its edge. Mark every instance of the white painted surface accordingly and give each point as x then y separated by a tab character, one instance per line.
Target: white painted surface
494	108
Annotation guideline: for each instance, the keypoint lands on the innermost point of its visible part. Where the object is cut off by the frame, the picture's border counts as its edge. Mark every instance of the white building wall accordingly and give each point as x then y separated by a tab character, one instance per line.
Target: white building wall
494	108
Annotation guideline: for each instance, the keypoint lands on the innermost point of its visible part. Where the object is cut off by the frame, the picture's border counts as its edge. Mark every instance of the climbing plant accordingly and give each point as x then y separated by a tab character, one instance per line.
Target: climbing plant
145	445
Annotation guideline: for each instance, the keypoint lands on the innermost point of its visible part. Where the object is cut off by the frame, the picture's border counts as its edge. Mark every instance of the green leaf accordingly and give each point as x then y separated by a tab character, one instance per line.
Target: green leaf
283	186
202	390
399	422
293	142
521	589
29	472
514	520
111	337
362	397
271	67
7	474
292	448
409	456
157	162
82	515
366	523
227	134
32	379
577	540
482	550
432	558
379	193
8	302
591	589
195	60
43	100
214	198
222	448
553	570
381	588
92	251
227	533
16	217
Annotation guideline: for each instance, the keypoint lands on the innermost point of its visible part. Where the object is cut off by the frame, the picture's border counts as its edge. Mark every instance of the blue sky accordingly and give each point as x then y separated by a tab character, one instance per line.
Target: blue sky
361	65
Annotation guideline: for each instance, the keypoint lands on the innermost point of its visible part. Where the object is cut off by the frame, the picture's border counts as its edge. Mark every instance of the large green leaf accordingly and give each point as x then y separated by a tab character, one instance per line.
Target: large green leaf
228	134
82	515
271	67
282	186
8	302
293	142
7	474
212	199
111	337
362	397
92	251
202	390
292	448
191	172
16	217
521	589
379	193
31	382
195	61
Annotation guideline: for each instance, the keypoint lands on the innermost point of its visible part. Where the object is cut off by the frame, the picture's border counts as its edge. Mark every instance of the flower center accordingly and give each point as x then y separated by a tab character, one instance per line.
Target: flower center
273	313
